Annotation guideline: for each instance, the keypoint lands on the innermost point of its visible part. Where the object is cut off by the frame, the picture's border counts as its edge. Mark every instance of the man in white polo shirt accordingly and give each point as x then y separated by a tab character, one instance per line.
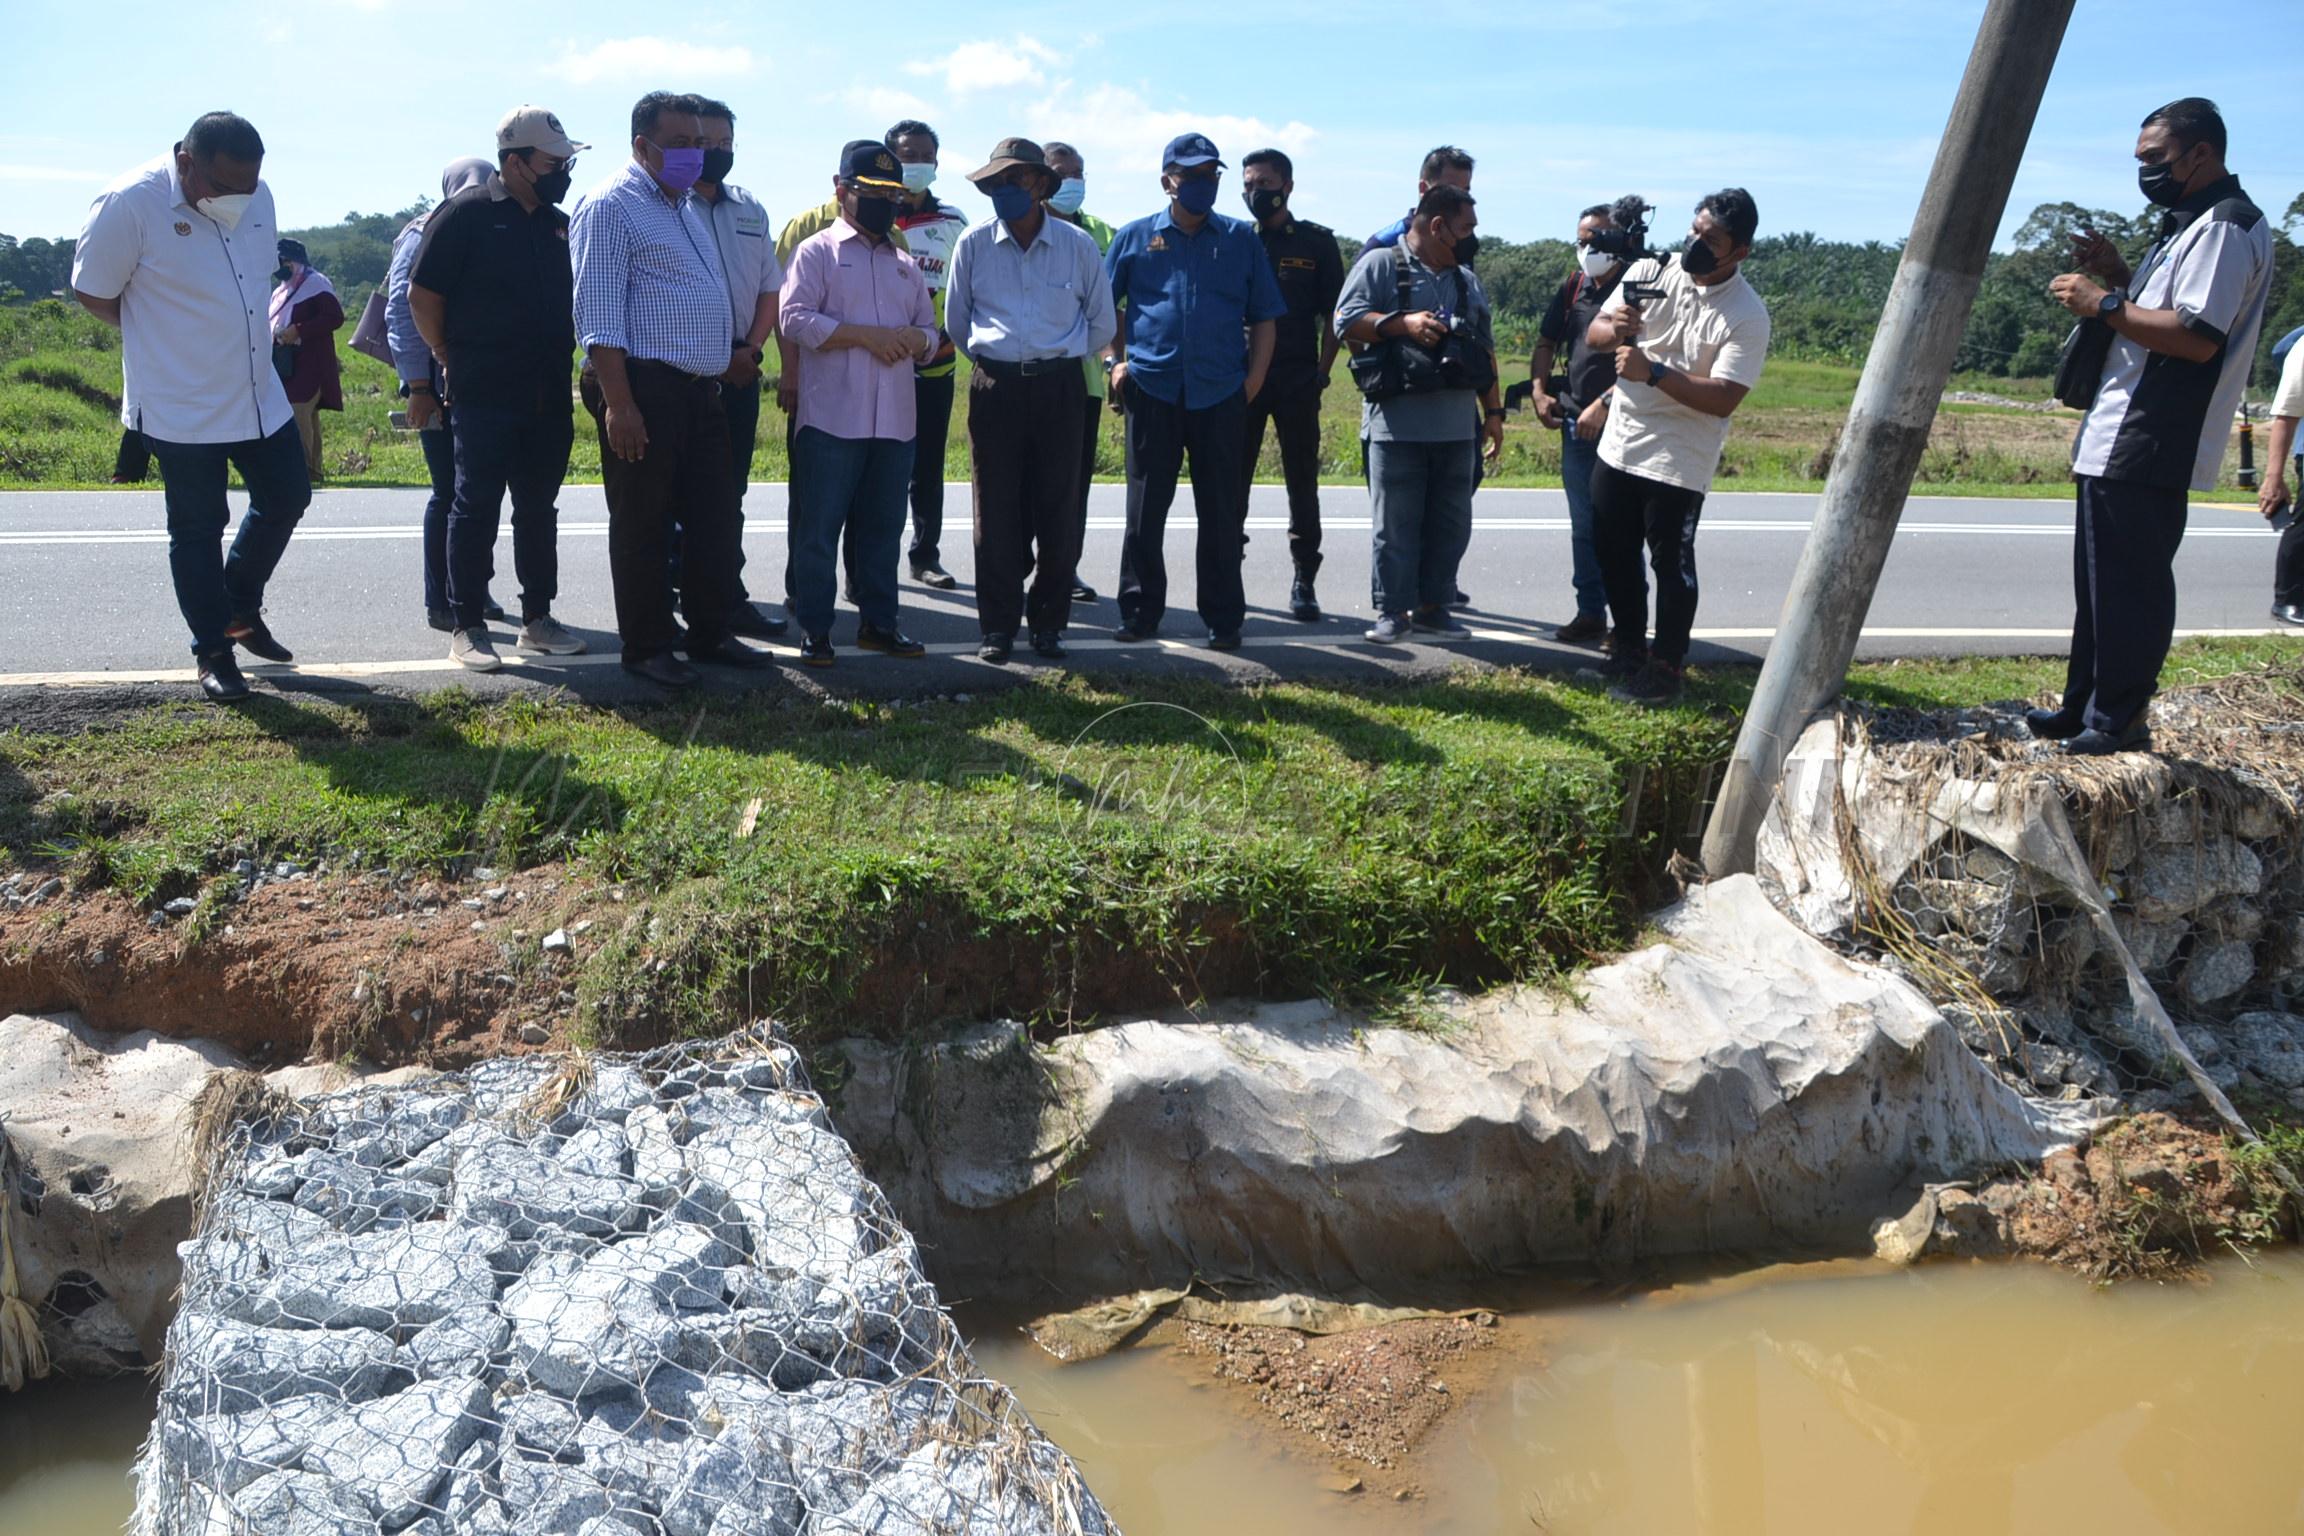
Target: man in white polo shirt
179	254
1690	336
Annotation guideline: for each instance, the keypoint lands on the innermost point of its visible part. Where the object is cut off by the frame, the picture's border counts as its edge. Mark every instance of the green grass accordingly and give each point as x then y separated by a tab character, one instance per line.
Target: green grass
1360	841
53	437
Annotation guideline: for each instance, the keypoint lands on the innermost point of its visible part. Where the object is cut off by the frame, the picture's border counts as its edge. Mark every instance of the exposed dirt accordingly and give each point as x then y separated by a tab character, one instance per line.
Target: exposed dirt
1364	1400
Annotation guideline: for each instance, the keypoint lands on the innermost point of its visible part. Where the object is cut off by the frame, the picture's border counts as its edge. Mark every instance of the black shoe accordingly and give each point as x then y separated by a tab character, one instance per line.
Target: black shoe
1462	599
933	574
996	648
1582	630
728	651
1047	643
752	623
2053	724
2289	613
2094	743
888	642
1655	685
441	619
1083	593
816	650
1223	639
1129	634
1614	670
220	678
1303	603
666	670
493	612
250	635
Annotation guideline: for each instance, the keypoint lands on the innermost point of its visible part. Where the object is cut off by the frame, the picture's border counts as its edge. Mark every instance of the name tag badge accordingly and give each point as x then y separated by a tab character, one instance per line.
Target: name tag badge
1296	264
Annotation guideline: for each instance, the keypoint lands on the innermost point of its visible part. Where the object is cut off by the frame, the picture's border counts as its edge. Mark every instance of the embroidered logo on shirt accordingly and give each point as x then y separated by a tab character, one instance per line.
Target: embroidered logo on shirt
1157	243
183	228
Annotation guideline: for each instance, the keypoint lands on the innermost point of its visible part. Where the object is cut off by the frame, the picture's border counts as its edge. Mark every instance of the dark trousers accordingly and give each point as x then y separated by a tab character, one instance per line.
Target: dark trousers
439	445
1091	438
933	400
683	475
1161	434
1027	496
525	453
2288	565
852	486
2123	597
133	461
1295	418
1420	513
1627	512
742	407
212	587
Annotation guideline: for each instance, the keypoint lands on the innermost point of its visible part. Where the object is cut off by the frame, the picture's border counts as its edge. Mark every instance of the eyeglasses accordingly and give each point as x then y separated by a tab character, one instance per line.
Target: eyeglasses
543	166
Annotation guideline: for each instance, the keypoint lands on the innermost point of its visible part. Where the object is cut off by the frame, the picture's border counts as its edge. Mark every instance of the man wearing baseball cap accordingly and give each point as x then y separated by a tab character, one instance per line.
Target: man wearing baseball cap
492	295
1026	301
1189	279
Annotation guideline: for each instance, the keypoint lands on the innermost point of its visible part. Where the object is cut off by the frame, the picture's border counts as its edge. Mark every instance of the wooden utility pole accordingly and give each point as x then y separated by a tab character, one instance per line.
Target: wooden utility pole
1904	378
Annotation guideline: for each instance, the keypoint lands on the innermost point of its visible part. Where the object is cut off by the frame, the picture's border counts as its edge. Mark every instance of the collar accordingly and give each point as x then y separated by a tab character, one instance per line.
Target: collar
637	173
497	191
2178	217
843	230
1166	219
1284	232
1003	235
176	197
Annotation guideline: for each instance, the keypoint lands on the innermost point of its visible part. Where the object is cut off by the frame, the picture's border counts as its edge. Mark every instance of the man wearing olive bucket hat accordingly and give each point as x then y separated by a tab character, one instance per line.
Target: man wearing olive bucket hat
1026	302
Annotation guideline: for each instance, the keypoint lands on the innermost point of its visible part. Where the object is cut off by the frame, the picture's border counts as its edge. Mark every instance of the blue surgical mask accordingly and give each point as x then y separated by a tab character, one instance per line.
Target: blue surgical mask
919	178
1196	196
1069	195
1011	202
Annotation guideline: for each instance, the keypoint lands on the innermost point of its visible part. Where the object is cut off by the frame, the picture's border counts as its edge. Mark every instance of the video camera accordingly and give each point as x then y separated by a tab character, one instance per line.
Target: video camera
1626	239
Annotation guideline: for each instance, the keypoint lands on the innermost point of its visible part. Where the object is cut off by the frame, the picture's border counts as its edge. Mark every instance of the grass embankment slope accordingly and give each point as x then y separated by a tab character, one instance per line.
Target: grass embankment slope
60	394
1054	850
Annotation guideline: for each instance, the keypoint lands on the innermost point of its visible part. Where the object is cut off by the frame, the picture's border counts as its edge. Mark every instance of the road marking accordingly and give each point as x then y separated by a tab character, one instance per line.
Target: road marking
1340	644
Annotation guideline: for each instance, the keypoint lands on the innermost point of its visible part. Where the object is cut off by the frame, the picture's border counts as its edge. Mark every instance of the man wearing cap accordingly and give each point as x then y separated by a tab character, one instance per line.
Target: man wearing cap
491	293
423	384
747	246
652	317
859	315
306	315
174	254
1190	279
1071	192
1027	303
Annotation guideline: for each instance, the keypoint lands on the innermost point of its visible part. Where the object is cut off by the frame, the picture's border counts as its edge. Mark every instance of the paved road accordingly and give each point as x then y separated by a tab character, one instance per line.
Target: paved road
89	605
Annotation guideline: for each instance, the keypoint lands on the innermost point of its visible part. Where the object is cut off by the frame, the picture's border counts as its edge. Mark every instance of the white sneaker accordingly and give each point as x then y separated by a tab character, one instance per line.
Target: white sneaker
547	636
470	648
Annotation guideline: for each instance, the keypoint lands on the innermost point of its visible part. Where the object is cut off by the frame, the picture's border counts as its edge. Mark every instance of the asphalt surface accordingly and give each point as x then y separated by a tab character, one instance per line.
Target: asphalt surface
90	609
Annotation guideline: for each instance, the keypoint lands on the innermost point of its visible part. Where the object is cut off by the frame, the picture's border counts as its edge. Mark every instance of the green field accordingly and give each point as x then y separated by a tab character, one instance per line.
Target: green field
60	390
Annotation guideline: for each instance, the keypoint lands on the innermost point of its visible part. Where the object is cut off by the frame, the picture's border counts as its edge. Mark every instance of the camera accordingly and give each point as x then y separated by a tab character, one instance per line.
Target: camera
1626	239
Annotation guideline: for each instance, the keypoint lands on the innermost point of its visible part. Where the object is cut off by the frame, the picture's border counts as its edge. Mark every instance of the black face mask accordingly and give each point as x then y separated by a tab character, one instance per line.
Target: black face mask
717	164
2159	183
1467	250
282	274
875	215
1263	202
1698	259
550	189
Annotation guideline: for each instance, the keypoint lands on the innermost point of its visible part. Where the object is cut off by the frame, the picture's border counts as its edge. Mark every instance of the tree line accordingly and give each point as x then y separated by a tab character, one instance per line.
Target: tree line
1825	296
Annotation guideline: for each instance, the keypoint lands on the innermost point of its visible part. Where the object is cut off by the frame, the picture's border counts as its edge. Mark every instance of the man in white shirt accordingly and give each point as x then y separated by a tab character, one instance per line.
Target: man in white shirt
179	254
2274	501
1690	336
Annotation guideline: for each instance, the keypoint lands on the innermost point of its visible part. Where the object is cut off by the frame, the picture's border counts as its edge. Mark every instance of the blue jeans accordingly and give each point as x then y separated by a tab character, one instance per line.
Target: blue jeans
525	452
1576	460
214	588
1420	497
439	447
856	483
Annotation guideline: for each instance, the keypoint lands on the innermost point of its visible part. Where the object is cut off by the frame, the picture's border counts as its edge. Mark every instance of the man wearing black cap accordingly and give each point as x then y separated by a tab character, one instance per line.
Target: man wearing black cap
1026	302
1189	279
1311	274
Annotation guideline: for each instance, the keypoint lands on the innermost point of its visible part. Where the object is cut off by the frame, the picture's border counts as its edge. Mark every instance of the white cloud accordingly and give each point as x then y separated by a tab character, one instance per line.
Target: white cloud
1120	133
989	66
884	103
64	173
648	58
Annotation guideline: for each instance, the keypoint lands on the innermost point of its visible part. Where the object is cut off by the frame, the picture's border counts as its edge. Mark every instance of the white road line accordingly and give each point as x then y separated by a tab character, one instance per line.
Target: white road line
1340	645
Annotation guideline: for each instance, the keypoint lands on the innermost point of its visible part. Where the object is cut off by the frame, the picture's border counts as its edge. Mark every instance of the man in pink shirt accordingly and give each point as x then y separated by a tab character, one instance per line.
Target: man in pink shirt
861	315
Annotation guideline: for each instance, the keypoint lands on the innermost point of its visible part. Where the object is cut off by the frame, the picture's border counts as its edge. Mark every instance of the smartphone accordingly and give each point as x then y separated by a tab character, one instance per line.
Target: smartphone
399	420
2285	518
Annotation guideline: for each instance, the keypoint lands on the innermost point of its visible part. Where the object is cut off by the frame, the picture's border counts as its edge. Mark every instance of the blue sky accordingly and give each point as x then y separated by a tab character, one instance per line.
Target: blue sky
1829	111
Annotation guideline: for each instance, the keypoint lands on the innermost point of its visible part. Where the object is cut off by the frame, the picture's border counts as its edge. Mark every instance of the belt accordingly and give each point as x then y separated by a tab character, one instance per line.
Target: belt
1027	370
651	365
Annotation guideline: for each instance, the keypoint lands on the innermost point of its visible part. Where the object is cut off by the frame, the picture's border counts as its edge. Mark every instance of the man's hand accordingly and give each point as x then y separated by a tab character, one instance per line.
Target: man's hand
1591	419
1627	320
2077	294
1547	407
423	408
1424	328
743	368
1633	364
1255	384
2273	494
788	393
1492	438
287	336
1118	388
627	433
2091	252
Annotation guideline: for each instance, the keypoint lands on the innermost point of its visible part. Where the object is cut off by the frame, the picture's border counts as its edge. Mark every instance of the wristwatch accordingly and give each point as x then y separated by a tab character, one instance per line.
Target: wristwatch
1657	374
2110	304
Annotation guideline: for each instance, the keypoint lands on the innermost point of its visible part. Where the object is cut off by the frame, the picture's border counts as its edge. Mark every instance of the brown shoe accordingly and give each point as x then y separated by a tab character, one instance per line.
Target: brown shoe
1583	629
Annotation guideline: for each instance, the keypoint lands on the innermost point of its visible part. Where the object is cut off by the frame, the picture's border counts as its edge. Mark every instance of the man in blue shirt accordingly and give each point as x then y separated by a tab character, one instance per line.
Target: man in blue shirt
1188	280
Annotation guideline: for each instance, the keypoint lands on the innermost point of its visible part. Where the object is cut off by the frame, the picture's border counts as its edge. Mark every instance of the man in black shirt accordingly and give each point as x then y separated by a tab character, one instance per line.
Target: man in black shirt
1311	273
1579	411
493	297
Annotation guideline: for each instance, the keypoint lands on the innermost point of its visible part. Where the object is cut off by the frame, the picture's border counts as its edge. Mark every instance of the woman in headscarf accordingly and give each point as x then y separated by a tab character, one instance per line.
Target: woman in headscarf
306	315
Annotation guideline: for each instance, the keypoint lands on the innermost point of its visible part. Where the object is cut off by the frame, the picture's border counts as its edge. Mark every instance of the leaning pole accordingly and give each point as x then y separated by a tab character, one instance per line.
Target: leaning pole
1896	400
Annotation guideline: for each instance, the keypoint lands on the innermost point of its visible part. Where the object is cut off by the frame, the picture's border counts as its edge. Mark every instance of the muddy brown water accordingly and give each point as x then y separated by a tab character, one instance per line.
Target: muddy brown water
1999	1400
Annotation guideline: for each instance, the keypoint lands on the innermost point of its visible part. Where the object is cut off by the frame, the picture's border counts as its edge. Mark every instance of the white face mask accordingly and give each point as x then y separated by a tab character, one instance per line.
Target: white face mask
1595	263
918	178
1070	194
226	209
